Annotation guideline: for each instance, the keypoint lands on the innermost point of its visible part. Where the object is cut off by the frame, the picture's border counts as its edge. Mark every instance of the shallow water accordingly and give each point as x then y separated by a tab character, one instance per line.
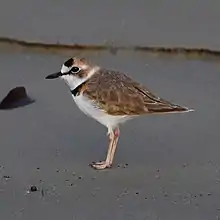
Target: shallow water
173	160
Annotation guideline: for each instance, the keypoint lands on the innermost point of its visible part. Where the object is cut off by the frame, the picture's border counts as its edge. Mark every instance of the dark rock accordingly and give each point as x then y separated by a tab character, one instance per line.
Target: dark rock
16	97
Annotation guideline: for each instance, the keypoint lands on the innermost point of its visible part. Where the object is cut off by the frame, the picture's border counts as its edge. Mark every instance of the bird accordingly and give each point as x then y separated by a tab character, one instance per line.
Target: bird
111	97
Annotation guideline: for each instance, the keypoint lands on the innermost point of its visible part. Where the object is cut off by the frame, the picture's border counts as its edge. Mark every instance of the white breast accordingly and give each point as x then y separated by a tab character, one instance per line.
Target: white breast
90	109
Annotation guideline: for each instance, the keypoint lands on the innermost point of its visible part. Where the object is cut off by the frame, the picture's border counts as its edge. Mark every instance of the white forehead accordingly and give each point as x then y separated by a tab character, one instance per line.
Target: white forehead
65	69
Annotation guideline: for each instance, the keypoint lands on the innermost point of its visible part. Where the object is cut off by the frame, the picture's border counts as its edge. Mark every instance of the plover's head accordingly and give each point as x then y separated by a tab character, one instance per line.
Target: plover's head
75	71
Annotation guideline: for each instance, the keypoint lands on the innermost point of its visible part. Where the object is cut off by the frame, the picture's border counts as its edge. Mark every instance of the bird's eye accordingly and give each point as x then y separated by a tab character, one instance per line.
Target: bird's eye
75	69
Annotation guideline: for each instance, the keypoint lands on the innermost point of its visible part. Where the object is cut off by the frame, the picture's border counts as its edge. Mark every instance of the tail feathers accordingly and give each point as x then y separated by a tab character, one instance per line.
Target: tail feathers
181	109
171	109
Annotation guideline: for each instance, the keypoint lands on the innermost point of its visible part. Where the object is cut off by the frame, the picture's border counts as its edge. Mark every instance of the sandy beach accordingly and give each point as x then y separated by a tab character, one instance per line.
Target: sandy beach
173	160
166	167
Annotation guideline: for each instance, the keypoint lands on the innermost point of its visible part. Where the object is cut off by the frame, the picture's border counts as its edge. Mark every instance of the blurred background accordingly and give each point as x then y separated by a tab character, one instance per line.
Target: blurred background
193	23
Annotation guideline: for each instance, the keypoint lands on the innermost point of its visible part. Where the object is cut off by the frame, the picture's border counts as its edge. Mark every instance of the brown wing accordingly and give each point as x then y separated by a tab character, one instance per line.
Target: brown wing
118	94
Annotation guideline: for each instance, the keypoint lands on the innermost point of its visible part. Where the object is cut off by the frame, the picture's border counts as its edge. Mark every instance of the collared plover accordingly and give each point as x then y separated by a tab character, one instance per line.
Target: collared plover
110	97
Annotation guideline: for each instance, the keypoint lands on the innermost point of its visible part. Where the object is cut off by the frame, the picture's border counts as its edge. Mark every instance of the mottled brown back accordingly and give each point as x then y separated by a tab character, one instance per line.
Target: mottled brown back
118	94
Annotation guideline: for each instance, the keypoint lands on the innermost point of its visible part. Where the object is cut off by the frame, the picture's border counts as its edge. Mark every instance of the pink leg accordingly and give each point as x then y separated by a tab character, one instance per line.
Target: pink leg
113	136
116	137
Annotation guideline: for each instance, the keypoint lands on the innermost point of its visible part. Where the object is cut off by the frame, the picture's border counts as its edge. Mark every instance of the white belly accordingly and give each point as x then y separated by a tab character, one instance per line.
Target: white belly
89	108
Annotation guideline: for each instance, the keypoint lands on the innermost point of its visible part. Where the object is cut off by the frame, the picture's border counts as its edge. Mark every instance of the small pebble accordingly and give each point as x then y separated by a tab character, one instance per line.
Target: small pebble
209	194
6	177
185	165
21	210
125	191
79	177
33	189
122	165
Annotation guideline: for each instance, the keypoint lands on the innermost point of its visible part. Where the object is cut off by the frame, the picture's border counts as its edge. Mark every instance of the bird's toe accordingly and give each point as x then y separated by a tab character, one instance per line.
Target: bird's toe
100	165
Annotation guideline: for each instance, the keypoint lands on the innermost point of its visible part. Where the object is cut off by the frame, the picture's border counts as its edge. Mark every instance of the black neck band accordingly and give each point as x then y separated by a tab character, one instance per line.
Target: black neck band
77	90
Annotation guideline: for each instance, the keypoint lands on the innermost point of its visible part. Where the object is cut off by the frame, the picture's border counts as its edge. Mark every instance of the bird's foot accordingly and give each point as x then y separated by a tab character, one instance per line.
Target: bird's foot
100	165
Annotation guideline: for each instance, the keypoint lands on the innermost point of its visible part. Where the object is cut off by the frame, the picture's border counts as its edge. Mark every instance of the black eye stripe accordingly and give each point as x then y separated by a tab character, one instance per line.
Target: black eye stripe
73	70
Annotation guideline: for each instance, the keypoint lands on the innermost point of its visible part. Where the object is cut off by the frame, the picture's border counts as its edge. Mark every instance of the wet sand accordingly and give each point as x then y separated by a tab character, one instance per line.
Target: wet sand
173	160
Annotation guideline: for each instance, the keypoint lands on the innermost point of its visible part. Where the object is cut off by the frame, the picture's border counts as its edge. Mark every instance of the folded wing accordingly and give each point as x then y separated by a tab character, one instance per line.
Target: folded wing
118	94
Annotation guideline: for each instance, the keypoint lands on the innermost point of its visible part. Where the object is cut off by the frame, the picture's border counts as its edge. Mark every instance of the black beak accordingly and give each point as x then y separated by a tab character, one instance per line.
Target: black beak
53	75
